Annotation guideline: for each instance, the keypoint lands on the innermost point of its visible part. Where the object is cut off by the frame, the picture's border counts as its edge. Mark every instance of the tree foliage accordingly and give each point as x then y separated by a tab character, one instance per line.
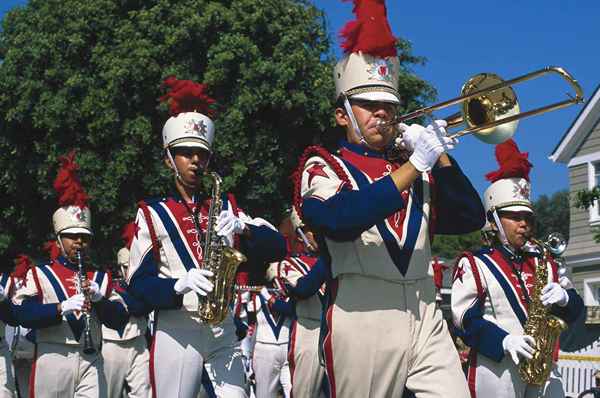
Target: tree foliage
76	74
552	214
584	199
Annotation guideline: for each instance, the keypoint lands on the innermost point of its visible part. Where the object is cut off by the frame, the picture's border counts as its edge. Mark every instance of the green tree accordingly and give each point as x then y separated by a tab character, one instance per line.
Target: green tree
450	246
584	199
552	214
83	75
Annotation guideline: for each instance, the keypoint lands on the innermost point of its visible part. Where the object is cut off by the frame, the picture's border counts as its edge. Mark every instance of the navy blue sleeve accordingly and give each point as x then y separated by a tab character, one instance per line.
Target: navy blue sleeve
263	246
156	293
135	307
111	313
456	202
7	312
482	335
570	312
345	215
309	284
34	315
284	307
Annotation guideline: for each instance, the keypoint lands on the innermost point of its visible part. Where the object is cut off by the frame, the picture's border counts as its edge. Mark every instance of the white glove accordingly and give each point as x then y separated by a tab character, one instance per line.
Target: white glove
412	132
72	304
2	294
95	294
430	144
516	345
195	280
439	126
553	293
565	282
229	225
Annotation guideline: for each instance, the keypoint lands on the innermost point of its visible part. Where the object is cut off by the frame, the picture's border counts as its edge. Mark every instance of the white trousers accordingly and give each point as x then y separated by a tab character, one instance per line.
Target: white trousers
62	370
502	380
179	349
271	370
307	372
7	377
127	363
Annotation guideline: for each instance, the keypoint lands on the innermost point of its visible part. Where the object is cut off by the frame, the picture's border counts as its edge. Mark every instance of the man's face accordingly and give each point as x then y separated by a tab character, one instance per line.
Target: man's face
73	242
189	162
518	226
367	114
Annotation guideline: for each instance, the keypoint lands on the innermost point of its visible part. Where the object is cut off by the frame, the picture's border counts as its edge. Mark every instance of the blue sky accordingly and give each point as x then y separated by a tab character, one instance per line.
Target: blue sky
509	38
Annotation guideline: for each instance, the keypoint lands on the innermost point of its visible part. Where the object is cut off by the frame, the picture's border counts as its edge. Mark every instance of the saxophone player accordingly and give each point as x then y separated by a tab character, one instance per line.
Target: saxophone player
493	289
166	262
58	301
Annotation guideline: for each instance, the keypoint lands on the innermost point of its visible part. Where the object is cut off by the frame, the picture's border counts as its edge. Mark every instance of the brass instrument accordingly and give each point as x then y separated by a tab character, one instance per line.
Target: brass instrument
221	260
88	343
544	327
489	106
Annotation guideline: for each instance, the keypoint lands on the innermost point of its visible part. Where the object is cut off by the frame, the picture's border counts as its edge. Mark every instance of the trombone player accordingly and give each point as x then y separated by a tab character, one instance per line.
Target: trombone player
496	290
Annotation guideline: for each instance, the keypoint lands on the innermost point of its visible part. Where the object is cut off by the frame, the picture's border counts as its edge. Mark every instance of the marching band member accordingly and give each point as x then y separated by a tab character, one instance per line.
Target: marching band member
23	343
308	375
270	357
492	288
374	217
125	352
166	263
7	317
55	301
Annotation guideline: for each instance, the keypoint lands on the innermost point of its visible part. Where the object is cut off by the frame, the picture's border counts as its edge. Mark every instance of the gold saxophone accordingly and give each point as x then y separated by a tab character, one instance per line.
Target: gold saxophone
544	327
221	260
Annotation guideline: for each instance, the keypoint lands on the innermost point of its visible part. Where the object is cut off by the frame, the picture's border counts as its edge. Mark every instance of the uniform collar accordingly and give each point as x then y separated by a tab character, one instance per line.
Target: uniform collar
361	150
62	260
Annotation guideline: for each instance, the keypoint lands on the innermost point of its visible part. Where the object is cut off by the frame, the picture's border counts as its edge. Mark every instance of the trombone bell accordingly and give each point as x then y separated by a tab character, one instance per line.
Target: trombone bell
489	107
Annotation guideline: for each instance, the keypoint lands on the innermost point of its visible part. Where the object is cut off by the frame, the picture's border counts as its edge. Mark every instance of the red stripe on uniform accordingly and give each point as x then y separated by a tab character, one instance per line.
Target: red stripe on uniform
291	353
327	343
32	375
472	372
152	348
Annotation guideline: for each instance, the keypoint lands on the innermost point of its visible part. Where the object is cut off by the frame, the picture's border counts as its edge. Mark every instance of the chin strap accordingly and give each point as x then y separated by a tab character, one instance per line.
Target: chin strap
176	170
501	233
62	248
355	127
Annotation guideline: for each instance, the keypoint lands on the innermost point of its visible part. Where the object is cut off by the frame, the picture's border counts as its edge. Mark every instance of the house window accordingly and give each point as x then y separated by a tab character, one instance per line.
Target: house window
594	181
591	291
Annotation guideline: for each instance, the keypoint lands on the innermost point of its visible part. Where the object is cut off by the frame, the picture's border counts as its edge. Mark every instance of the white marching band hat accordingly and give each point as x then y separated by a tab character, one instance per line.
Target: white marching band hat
370	67
189	125
73	216
510	189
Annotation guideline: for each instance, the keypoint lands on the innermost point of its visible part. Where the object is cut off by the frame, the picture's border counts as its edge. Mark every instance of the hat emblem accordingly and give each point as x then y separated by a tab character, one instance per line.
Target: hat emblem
77	214
521	190
380	70
195	126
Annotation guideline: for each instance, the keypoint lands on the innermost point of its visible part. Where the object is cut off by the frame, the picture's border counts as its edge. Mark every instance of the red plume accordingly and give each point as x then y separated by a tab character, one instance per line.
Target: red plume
513	164
128	232
67	185
23	264
370	32
52	248
186	96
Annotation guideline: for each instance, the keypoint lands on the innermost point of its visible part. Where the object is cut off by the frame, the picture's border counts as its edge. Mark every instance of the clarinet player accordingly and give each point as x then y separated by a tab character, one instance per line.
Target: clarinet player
65	300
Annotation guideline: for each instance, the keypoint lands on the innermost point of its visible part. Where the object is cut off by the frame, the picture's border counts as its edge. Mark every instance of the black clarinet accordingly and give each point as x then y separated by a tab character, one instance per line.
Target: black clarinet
88	344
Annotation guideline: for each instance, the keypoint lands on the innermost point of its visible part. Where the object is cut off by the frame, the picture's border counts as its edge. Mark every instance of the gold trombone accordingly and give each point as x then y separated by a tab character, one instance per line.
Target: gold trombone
489	106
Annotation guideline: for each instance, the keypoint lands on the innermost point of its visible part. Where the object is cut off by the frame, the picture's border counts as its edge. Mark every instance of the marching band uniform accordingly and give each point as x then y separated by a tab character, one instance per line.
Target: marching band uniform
125	352
60	367
307	373
377	239
7	317
23	339
166	269
492	289
270	358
